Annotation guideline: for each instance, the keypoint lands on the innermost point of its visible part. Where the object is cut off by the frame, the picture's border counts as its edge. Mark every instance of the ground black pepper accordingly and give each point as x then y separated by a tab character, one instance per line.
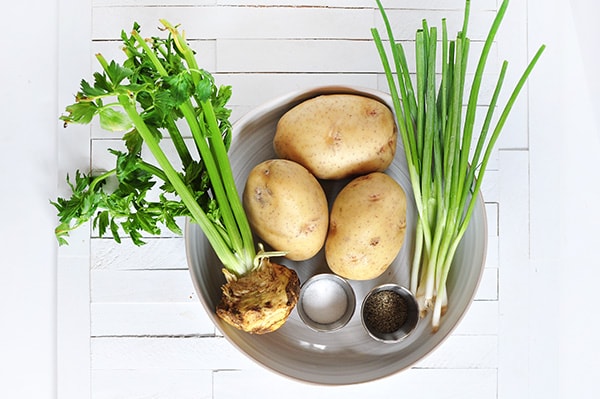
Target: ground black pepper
385	312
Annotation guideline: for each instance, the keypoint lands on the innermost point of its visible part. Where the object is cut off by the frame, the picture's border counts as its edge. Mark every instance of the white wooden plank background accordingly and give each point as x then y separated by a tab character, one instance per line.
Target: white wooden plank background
144	315
51	328
130	324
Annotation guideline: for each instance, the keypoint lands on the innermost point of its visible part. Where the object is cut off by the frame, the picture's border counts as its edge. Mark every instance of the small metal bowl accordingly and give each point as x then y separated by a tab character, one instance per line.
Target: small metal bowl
326	302
389	313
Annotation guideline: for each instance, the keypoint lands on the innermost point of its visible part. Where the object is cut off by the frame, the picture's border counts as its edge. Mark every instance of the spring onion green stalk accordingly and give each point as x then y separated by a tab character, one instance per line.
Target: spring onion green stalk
446	173
159	90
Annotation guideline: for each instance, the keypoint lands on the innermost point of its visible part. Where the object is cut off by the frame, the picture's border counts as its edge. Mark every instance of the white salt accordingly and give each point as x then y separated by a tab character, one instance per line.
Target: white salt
324	301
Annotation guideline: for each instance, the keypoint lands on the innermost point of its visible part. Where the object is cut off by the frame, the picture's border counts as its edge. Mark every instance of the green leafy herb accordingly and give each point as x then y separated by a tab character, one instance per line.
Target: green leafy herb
145	97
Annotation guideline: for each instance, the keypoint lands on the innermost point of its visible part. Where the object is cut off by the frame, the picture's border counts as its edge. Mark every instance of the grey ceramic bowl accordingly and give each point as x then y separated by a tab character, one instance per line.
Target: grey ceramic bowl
349	355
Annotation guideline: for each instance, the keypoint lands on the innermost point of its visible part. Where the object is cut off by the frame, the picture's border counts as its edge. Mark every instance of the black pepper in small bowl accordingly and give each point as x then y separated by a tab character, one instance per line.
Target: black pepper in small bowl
389	313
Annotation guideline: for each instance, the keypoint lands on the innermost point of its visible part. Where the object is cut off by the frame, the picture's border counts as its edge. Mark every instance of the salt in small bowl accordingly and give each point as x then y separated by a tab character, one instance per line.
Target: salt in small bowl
327	302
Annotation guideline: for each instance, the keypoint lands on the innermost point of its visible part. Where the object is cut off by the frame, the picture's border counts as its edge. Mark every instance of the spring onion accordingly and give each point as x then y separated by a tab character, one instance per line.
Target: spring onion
438	137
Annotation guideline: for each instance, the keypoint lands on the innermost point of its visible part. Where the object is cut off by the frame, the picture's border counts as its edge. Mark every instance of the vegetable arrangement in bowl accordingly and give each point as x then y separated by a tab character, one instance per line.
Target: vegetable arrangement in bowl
159	84
328	137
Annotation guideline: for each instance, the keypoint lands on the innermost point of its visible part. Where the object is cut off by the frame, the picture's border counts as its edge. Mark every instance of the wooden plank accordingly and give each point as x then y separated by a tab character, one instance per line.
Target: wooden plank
464	352
301	56
243	22
514	289
73	151
157	253
480	319
73	327
564	366
145	286
274	85
412	383
407	4
150	319
312	56
491	259
148	353
143	384
491	211
406	22
512	46
285	22
489	186
488	286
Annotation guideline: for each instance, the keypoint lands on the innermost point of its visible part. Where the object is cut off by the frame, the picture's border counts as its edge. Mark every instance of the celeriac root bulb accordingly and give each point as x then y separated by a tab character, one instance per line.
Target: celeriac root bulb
260	301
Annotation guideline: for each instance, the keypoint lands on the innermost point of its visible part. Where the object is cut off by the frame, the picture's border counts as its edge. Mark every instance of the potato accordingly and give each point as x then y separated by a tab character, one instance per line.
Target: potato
366	227
287	208
338	135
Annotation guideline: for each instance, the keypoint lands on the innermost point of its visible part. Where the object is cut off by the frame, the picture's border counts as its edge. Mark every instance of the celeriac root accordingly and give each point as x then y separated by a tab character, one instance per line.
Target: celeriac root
261	301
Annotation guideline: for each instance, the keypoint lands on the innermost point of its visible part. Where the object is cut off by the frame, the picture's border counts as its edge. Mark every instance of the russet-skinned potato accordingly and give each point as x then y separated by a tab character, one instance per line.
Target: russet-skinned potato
287	208
336	136
367	227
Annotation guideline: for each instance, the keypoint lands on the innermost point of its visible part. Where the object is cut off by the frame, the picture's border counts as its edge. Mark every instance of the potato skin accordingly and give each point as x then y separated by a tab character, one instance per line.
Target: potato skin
367	227
338	135
287	208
